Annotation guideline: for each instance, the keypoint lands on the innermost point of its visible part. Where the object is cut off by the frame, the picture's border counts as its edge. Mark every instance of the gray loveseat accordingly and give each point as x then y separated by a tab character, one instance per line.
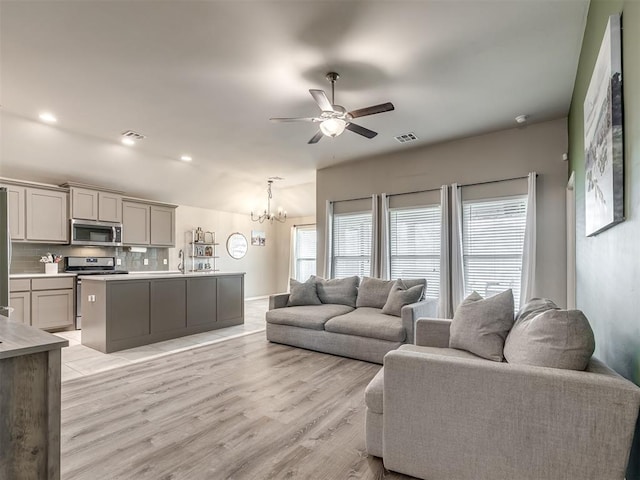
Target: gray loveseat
349	329
441	413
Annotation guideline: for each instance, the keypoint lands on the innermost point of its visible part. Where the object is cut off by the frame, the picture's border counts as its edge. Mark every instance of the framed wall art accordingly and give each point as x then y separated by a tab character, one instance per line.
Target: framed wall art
603	136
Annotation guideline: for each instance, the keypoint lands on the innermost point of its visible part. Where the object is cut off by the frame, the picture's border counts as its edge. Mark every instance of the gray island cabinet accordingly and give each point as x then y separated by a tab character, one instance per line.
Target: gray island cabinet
125	311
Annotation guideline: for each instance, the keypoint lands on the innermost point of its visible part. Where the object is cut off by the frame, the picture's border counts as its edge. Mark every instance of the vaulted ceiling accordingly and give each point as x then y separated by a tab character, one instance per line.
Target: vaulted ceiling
203	78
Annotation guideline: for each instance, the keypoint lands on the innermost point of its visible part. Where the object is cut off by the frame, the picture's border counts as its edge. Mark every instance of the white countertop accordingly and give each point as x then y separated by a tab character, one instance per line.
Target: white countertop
156	275
40	275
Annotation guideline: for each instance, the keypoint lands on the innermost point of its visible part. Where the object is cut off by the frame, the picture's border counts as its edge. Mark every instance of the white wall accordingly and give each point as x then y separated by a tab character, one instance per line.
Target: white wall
500	155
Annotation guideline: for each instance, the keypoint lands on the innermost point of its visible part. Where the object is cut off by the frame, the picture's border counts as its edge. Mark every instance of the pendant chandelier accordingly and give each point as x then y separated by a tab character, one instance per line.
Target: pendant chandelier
281	216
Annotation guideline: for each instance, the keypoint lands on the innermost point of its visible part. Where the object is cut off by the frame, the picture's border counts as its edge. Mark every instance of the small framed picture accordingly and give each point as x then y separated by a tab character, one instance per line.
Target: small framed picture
258	238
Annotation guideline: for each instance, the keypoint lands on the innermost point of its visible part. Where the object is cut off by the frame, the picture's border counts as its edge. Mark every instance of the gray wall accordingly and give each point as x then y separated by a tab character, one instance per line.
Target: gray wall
505	154
608	265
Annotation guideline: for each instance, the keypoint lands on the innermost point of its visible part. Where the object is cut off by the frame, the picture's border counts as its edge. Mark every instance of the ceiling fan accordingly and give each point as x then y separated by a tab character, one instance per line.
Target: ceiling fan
334	119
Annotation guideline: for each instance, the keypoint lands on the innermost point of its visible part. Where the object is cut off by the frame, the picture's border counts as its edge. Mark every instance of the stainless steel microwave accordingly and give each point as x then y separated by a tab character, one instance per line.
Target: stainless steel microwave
99	234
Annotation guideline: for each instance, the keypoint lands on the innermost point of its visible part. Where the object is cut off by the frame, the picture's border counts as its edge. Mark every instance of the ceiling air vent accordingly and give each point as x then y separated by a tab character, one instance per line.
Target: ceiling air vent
406	137
132	135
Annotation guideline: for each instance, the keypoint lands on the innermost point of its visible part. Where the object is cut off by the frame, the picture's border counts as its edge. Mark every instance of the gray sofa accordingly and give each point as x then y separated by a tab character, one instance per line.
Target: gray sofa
440	413
363	333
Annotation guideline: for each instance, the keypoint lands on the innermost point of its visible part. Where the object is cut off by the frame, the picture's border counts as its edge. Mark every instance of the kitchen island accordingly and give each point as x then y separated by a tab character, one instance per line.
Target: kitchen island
125	311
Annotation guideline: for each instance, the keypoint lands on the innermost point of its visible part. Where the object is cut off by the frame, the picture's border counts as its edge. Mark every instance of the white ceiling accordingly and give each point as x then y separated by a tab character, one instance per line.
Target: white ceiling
203	77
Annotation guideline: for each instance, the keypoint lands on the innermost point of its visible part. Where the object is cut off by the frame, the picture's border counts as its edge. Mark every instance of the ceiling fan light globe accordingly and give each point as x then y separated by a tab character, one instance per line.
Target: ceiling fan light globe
333	127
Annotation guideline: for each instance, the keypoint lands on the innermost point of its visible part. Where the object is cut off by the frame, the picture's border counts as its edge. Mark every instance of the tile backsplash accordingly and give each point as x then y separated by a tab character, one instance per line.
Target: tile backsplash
25	257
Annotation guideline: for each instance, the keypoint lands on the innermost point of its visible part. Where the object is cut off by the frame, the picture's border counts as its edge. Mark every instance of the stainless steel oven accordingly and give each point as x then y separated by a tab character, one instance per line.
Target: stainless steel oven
90	232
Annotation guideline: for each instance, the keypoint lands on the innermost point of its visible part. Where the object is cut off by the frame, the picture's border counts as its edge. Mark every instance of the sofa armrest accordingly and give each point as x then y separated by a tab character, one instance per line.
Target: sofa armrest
511	421
278	300
433	332
411	313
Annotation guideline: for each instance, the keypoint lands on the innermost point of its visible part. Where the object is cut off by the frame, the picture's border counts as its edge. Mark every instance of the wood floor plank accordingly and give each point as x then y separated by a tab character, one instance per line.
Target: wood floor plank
240	409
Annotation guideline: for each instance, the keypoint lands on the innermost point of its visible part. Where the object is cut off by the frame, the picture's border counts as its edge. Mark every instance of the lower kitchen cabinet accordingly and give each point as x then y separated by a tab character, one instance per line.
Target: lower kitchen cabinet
125	312
52	308
21	304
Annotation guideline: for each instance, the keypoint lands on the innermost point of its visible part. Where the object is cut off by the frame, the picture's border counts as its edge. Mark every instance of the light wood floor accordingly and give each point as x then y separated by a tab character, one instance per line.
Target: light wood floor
240	409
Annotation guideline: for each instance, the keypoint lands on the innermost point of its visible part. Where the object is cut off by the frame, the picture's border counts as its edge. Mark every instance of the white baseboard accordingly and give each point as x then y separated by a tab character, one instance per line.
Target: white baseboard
246	299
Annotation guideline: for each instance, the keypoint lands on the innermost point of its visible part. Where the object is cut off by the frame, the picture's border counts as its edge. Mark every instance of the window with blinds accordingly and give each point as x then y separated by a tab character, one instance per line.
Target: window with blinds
414	244
351	250
305	252
493	241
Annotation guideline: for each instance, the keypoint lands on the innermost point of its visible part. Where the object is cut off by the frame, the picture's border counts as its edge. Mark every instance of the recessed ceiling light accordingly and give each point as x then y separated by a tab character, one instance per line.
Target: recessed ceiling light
522	118
186	158
48	117
128	141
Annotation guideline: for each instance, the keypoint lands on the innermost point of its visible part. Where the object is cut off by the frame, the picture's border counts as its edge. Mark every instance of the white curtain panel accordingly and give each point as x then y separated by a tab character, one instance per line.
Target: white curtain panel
292	254
375	231
445	309
457	259
527	280
385	245
328	241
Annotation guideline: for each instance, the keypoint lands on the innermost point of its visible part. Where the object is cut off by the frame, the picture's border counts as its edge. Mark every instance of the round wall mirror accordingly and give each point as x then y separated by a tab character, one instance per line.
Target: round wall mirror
237	245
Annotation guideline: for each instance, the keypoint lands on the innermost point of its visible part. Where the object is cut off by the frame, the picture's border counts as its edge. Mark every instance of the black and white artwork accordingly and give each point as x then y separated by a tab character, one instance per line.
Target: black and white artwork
603	145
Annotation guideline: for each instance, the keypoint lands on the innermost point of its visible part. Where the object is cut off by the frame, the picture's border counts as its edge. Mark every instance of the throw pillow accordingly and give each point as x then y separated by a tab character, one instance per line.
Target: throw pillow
373	292
533	307
339	291
303	293
480	326
553	338
401	295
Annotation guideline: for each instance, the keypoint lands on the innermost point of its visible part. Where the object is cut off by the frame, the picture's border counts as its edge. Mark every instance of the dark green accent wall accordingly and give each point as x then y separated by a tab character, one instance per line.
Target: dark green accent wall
608	265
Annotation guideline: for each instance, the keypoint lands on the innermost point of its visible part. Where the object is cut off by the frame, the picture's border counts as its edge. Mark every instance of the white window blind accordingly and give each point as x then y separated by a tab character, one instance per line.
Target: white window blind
351	251
493	240
305	252
414	243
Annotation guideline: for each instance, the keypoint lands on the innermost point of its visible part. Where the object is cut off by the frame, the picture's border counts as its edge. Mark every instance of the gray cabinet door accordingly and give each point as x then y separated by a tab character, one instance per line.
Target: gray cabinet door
16	211
21	304
230	296
201	301
109	207
84	204
163	226
52	308
168	305
47	215
128	310
135	223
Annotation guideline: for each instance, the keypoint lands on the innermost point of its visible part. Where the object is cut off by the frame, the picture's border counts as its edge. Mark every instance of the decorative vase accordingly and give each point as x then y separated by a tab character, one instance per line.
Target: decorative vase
51	268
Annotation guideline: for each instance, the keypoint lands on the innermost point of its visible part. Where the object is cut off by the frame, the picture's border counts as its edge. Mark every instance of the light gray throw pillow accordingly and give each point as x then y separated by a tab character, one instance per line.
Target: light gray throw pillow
551	338
338	291
303	293
401	295
533	307
480	326
373	292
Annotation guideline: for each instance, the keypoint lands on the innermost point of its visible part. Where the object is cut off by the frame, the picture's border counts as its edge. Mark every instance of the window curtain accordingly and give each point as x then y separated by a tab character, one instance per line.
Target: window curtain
292	255
375	242
457	259
444	300
528	277
385	245
328	241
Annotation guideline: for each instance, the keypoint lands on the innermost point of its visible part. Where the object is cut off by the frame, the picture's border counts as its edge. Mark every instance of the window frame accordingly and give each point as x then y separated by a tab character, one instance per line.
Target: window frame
296	251
364	258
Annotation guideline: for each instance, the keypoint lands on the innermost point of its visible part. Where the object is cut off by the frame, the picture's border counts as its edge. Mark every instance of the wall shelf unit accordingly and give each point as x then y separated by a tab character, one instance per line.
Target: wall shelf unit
200	251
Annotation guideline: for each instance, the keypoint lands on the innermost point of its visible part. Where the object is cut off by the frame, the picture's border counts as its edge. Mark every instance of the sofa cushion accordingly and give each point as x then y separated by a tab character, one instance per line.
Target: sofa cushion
480	326
309	316
447	352
373	394
553	338
368	322
373	292
401	295
303	293
338	291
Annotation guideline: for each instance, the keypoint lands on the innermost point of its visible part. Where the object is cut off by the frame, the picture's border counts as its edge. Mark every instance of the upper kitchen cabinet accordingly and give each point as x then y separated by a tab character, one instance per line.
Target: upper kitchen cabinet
92	204
46	218
16	200
151	224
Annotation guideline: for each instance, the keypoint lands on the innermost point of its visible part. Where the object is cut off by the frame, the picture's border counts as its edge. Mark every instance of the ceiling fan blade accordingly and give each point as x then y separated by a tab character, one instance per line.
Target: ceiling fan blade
321	99
383	107
298	119
365	132
316	138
